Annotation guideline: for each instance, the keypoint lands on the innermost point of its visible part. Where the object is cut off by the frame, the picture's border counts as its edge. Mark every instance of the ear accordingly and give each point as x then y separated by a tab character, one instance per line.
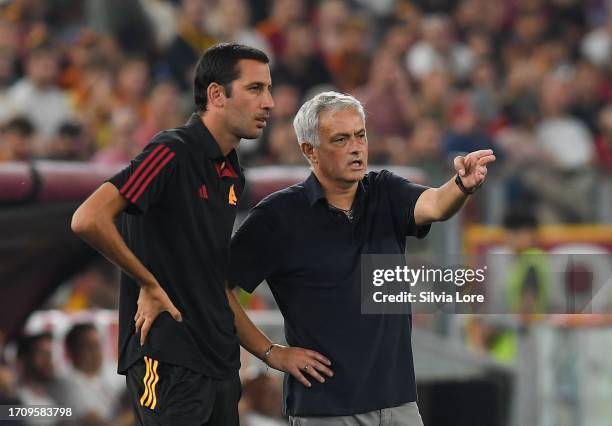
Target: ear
216	95
309	152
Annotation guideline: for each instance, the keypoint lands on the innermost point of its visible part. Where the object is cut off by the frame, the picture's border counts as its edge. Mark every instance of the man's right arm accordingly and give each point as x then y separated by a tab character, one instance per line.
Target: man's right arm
94	222
293	360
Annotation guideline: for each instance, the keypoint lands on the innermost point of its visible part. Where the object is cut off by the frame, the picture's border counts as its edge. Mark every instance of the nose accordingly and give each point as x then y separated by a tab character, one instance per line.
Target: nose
268	102
357	145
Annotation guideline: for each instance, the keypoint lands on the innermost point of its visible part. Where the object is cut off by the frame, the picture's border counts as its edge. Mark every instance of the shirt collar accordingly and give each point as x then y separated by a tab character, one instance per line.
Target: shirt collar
202	141
314	190
201	138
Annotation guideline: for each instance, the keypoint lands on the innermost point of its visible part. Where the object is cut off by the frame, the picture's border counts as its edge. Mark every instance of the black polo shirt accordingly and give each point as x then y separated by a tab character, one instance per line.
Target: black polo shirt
183	196
310	256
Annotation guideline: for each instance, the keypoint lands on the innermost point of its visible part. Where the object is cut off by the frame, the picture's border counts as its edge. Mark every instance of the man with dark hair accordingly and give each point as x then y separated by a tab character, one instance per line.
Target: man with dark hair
36	369
528	279
76	339
16	139
68	143
38	95
94	389
219	66
177	341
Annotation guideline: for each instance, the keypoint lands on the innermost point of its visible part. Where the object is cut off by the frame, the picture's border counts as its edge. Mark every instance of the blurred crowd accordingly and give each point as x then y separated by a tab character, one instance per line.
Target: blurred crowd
94	80
90	387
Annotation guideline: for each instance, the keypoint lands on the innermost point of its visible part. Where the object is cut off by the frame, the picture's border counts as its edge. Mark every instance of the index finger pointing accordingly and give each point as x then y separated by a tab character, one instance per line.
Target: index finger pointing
486	159
483	152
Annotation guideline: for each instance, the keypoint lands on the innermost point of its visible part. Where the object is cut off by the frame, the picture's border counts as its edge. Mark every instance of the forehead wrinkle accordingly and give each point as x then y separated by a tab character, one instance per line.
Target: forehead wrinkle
329	127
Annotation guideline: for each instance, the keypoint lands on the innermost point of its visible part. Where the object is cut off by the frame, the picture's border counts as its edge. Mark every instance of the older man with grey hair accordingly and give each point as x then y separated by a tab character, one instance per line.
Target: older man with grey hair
306	241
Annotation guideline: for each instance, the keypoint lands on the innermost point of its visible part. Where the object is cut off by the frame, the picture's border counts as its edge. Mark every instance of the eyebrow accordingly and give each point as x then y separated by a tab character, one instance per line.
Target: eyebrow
258	84
336	135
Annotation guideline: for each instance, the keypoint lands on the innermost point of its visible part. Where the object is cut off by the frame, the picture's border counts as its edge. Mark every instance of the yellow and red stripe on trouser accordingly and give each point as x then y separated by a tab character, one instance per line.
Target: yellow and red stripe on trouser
149	397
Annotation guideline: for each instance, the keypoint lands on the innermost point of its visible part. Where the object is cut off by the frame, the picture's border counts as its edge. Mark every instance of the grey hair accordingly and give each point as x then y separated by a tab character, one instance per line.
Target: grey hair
306	121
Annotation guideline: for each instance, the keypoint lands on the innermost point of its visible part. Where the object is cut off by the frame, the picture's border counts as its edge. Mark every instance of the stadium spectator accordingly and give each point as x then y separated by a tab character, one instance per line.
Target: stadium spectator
163	110
485	98
434	91
122	146
466	132
37	384
424	149
282	14
300	65
349	61
569	143
281	144
39	96
589	94
330	17
528	280
92	97
286	103
388	95
191	40
286	100
94	388
439	50
232	21
16	140
387	98
596	45
69	144
127	23
132	84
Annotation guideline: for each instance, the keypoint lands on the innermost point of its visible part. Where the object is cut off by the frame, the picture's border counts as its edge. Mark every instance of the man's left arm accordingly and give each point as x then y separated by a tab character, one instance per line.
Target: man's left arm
437	204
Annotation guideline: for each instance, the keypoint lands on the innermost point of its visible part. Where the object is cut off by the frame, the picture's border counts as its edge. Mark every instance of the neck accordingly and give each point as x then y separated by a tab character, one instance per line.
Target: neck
225	139
338	194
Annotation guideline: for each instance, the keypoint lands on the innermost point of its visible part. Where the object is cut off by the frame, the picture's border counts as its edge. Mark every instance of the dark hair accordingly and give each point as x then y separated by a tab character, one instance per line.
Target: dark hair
75	335
219	64
70	129
19	124
27	344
